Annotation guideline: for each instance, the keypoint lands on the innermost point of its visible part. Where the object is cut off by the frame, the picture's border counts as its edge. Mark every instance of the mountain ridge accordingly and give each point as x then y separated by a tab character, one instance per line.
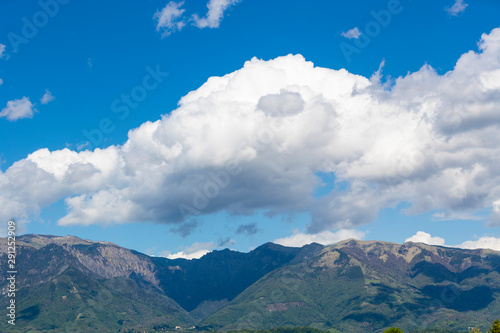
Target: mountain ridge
62	239
353	285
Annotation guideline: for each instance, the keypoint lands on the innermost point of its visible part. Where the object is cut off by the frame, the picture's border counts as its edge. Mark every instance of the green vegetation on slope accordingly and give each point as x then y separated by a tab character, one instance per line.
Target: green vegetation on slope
74	302
71	285
302	329
369	286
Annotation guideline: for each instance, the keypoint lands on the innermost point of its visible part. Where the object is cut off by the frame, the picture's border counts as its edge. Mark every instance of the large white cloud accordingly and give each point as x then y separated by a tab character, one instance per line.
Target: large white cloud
256	139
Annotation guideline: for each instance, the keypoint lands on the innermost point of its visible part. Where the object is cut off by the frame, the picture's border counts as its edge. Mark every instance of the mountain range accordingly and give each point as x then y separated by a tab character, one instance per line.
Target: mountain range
67	284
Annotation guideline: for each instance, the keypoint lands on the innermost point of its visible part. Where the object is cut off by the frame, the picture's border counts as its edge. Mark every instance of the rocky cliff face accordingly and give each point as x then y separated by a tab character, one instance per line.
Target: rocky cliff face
110	261
48	256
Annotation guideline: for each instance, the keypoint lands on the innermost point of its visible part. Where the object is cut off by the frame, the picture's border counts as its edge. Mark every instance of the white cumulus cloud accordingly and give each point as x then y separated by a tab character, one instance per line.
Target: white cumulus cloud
18	109
299	239
423	237
257	139
2	50
492	243
485	242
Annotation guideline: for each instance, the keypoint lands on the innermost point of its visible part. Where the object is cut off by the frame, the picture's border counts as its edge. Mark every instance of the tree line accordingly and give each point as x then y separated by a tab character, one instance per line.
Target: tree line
495	328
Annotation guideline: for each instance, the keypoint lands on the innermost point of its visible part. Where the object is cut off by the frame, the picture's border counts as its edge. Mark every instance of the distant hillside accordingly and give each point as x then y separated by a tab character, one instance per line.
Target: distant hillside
357	286
67	284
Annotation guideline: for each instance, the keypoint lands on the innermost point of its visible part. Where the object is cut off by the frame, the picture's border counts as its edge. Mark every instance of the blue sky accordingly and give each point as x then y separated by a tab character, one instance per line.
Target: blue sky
76	76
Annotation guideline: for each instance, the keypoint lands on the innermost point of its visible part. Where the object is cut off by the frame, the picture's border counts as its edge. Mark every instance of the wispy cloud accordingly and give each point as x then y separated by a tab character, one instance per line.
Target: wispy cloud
186	228
458	7
2	50
354	33
215	13
247	229
18	109
47	97
169	19
225	242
